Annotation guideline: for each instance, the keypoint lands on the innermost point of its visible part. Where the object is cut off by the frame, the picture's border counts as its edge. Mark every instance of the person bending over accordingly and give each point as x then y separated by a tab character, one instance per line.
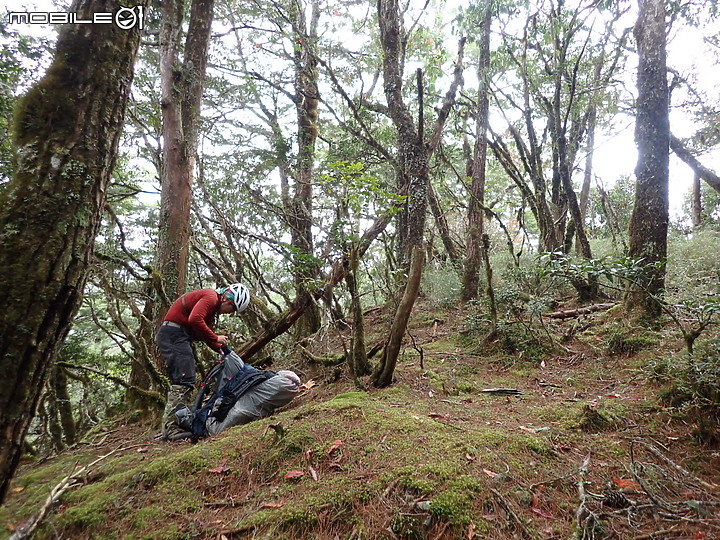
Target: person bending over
192	317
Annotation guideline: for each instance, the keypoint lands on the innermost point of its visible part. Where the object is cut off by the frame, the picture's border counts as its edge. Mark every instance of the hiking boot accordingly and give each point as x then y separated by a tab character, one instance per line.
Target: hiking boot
184	417
177	397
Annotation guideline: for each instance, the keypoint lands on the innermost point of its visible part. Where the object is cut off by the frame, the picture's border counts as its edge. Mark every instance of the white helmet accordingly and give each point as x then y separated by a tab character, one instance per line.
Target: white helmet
238	295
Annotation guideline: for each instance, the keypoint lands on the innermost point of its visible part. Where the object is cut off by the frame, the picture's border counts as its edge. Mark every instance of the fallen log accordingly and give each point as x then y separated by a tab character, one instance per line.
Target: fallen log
502	391
568	313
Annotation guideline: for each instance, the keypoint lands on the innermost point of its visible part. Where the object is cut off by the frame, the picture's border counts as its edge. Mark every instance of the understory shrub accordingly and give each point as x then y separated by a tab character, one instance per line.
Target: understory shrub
693	388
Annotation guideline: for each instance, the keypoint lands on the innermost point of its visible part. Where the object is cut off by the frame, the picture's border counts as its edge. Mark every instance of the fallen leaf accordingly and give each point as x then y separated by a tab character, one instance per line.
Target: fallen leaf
17	489
613	396
437	415
542	363
308	454
272	505
471	531
142	450
334	446
470	458
313	473
294	474
220	468
490	473
307	385
542	513
622	483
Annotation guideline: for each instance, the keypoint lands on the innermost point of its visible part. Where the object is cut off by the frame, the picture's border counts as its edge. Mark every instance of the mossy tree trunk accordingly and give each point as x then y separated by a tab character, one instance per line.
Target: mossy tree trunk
54	429
67	130
471	275
649	220
359	365
300	208
383	375
413	172
64	406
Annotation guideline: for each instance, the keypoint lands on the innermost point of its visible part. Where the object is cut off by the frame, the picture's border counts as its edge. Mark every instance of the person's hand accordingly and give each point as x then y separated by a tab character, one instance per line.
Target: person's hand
223	340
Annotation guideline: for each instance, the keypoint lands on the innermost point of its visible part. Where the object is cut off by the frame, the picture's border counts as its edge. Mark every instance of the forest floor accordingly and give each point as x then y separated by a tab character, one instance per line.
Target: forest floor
579	446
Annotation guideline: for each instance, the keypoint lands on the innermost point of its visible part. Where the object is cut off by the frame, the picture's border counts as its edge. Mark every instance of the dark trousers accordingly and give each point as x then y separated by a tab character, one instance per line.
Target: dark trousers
175	346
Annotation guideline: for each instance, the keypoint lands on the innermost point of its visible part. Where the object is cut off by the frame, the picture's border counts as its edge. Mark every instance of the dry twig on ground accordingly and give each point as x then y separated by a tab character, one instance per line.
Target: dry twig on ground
27	529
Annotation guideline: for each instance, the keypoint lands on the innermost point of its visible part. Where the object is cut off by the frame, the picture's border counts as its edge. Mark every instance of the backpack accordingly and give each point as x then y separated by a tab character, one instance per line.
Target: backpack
229	379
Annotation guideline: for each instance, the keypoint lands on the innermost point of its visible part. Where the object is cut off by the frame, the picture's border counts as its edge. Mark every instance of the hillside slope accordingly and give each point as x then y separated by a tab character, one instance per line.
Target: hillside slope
583	448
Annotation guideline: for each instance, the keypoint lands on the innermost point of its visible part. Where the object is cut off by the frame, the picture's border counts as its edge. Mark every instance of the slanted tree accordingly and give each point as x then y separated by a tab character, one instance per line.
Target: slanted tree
701	172
67	129
650	217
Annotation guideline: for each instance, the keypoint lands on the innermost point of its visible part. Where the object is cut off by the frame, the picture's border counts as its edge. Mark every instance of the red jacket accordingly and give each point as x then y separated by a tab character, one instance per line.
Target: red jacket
197	310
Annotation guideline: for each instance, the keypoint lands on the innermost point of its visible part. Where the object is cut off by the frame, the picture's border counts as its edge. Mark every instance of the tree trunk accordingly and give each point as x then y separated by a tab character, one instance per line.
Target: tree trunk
386	367
67	421
485	254
175	174
67	132
473	255
306	267
54	429
181	98
590	148
413	171
696	202
649	221
359	364
443	228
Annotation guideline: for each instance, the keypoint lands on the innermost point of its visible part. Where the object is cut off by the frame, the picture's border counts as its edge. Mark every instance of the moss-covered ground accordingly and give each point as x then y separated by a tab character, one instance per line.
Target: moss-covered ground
433	456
